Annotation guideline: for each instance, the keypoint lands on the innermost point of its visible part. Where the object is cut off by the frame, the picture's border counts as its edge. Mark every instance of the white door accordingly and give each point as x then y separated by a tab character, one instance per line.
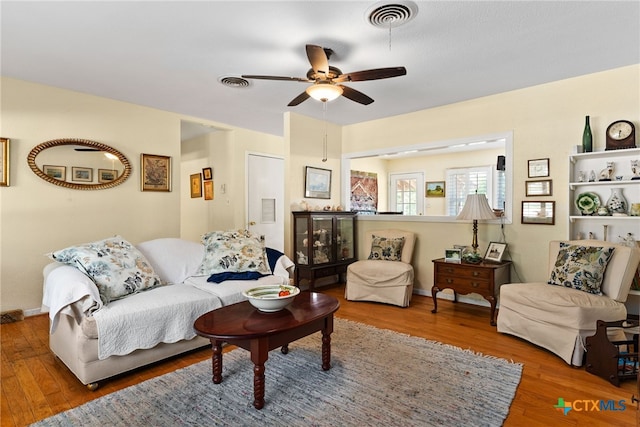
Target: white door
265	198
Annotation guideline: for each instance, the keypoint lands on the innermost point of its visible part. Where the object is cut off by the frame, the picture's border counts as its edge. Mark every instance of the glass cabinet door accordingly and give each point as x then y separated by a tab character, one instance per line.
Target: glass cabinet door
302	240
322	240
344	237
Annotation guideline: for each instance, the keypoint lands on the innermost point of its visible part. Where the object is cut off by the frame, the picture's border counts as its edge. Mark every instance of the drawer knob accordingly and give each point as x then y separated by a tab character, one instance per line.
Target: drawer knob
449	270
476	273
449	281
475	284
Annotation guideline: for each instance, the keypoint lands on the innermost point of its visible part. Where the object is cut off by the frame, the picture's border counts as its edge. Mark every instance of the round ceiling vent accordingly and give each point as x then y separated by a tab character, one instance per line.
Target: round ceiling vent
233	81
386	15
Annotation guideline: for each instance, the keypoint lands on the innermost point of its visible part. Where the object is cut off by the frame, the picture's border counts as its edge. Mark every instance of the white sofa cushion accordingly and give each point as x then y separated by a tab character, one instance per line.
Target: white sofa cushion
173	259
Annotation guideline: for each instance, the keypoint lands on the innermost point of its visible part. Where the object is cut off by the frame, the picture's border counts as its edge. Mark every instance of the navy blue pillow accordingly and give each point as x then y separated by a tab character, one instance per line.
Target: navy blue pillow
273	256
245	275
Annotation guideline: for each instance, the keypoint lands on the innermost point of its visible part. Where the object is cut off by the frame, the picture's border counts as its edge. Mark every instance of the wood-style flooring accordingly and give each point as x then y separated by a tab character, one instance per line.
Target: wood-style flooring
36	385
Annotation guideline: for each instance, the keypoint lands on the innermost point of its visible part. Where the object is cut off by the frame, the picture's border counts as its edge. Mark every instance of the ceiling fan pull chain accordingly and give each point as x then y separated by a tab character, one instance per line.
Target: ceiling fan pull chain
324	139
390	35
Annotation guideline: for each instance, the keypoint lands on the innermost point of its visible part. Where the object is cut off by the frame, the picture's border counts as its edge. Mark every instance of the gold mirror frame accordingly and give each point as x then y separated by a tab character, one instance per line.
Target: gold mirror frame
31	160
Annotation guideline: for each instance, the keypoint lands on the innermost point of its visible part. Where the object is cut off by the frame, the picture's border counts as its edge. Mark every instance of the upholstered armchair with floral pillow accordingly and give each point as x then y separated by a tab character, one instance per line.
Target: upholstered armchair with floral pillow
587	281
386	276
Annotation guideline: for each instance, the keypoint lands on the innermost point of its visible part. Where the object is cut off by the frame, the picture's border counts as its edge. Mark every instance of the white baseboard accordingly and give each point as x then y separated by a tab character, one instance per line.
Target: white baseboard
33	312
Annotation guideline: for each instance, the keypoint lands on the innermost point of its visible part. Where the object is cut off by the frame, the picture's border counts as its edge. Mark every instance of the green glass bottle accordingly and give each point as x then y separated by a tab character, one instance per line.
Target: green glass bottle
587	138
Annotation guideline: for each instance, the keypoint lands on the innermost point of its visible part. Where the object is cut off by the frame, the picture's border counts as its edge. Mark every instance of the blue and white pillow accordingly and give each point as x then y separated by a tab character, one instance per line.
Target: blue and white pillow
235	251
116	267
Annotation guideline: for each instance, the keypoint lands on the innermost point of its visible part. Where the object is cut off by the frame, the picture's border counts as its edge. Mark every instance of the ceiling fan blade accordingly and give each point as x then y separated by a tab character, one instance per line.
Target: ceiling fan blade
373	74
288	79
355	95
298	99
318	59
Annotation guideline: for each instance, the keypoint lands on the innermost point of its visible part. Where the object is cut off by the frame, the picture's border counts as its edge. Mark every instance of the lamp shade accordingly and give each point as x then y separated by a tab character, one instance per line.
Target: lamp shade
476	207
324	91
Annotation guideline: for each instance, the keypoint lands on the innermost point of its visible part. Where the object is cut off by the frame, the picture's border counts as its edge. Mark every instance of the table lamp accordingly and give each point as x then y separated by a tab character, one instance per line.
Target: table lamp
476	207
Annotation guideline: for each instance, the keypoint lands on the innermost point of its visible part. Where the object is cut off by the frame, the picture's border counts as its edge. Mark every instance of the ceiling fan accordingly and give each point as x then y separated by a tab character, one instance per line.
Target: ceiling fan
327	79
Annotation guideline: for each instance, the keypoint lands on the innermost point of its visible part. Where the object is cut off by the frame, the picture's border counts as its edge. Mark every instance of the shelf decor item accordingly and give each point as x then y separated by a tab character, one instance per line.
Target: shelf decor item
620	134
587	137
588	203
616	203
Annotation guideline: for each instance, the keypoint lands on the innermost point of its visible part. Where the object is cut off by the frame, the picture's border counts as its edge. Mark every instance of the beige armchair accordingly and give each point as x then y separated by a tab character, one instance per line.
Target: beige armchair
559	318
381	280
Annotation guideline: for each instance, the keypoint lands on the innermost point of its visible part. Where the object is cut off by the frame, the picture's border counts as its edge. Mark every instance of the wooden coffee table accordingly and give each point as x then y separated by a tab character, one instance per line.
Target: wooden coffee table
245	326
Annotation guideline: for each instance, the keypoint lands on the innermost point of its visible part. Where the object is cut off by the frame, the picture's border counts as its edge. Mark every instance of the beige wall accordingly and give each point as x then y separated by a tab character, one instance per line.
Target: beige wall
37	217
546	121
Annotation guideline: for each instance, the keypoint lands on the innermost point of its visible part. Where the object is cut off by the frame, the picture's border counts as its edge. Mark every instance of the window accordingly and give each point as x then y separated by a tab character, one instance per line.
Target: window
406	193
463	181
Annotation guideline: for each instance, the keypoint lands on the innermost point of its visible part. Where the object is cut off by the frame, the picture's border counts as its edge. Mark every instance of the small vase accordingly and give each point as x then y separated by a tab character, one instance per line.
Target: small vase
616	203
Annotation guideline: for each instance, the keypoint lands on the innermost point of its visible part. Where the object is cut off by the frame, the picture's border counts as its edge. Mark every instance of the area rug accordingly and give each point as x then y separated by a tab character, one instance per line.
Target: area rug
378	377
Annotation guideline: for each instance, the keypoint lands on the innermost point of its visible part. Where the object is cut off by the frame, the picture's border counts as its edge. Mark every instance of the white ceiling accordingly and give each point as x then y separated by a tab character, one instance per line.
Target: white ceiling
170	55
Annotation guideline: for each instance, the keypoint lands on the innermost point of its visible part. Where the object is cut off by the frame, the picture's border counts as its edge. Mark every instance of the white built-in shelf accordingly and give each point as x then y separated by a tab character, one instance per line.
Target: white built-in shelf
604	154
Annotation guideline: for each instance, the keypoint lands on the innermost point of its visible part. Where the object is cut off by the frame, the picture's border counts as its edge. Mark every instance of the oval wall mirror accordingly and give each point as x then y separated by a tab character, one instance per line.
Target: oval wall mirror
79	164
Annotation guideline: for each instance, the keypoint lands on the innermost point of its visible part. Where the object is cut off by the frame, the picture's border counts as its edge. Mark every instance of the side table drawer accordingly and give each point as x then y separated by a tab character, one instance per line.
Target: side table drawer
463	285
459	271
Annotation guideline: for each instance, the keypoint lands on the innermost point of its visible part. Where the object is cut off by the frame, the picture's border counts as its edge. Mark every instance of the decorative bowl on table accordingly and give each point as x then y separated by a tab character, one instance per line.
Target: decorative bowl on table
271	298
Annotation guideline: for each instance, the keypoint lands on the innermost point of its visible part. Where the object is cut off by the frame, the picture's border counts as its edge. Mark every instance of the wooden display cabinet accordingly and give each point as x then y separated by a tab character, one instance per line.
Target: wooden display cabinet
324	244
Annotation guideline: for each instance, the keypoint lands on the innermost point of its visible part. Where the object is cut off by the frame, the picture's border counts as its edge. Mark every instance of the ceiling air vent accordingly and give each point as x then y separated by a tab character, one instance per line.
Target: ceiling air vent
232	81
387	15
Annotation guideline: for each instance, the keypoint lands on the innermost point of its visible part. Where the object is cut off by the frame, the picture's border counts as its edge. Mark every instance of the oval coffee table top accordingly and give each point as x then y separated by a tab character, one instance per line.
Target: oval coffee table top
244	321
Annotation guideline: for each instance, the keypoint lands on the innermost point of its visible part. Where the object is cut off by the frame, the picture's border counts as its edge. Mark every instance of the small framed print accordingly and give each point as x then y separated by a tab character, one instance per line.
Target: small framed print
56	172
435	189
208	190
4	162
317	183
495	252
207	174
81	174
453	255
538	188
107	175
539	213
538	168
156	172
195	185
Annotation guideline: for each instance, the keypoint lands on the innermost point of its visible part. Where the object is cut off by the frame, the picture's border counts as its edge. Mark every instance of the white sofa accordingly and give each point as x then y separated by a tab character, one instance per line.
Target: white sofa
97	341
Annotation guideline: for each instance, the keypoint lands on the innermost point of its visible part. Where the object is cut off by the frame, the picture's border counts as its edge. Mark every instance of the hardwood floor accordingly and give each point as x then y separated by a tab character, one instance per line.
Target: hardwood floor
36	385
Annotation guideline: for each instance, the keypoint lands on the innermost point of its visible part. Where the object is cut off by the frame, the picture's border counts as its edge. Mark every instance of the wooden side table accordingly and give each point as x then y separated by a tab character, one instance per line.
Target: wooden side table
466	278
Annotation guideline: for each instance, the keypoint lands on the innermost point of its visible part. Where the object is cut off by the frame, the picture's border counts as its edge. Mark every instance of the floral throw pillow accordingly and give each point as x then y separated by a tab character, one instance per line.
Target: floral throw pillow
233	251
117	268
385	248
581	267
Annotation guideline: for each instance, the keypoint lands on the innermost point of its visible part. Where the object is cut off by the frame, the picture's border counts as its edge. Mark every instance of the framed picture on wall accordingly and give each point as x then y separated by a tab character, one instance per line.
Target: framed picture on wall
4	162
195	181
317	183
539	213
208	190
81	174
156	172
538	188
57	172
538	168
207	174
107	175
434	189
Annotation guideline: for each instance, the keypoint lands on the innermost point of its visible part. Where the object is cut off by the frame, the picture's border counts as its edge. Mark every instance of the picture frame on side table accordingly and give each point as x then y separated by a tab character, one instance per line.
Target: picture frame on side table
495	251
317	183
155	172
195	181
538	168
538	188
541	213
4	162
453	255
81	174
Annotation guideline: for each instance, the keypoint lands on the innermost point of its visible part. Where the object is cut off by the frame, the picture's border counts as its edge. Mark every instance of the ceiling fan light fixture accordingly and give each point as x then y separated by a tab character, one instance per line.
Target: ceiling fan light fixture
324	91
